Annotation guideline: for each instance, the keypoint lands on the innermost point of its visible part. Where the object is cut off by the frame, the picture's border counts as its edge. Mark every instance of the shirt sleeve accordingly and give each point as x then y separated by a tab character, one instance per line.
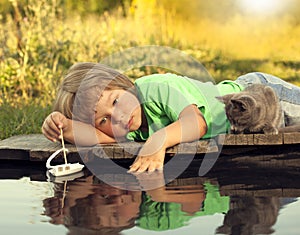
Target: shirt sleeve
168	96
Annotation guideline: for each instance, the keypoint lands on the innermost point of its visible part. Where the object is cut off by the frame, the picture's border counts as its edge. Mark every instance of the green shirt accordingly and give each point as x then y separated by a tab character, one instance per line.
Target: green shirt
164	96
160	216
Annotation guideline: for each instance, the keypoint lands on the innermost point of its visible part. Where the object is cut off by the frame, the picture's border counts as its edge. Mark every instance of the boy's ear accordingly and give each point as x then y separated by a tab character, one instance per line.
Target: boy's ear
225	98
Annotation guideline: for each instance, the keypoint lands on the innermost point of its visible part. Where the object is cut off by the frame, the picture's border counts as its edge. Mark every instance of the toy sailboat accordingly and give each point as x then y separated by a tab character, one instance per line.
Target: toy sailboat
66	168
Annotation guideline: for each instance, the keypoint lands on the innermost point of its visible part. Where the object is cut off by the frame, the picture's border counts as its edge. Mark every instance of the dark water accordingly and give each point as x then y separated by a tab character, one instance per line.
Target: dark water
239	201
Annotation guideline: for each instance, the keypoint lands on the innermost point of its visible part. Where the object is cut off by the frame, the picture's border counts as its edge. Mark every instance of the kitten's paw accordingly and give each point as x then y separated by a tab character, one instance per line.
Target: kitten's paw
234	130
270	131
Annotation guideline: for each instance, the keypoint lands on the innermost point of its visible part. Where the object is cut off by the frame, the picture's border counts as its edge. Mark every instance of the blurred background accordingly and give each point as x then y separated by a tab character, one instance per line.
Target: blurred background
41	39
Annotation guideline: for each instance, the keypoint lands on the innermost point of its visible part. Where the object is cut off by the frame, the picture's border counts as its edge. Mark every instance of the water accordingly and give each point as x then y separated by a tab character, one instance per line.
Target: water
255	202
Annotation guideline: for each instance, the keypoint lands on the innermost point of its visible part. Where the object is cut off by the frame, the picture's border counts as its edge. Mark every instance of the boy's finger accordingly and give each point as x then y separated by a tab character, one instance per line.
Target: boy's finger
53	129
144	167
49	135
57	120
52	135
152	167
136	162
133	167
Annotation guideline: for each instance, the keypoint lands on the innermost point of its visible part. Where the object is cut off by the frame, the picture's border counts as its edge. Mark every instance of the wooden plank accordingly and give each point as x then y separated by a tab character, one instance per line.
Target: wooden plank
277	192
209	146
291	138
250	139
36	147
235	140
262	139
14	154
119	153
268	193
131	149
173	150
258	139
243	139
228	139
293	192
188	148
40	148
105	151
32	142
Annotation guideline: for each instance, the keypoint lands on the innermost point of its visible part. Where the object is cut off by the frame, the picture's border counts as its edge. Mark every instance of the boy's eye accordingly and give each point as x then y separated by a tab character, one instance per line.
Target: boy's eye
115	101
103	121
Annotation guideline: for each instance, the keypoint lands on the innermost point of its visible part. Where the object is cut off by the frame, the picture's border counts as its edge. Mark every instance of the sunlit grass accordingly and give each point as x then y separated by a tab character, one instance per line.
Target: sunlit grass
23	119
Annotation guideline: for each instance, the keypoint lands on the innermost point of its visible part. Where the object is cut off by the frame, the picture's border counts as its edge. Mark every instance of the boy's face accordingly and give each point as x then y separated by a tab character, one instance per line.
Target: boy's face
117	113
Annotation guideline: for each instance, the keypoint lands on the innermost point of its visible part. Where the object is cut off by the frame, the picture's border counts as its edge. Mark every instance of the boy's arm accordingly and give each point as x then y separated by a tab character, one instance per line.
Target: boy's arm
189	127
83	134
86	135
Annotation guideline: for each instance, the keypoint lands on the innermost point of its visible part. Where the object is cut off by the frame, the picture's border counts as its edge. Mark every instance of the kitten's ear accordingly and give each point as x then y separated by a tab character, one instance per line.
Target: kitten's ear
239	104
225	98
243	102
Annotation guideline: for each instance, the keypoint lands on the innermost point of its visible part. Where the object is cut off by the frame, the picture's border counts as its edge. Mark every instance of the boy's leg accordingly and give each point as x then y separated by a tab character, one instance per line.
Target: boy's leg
289	94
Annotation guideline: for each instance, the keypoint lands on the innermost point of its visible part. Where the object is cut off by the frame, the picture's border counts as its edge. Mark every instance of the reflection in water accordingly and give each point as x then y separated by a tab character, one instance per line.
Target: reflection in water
250	215
87	208
172	206
87	205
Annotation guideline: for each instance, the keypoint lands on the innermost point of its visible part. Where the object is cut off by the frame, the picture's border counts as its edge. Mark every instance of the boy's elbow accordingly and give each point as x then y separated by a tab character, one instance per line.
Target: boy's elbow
203	126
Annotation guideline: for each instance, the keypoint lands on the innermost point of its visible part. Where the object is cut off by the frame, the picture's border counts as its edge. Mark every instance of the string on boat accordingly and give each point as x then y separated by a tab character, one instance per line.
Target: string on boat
63	145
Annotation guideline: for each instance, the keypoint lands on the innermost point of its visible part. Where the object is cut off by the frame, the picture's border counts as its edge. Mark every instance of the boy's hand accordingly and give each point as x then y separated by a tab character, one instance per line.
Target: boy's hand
152	155
148	163
52	124
189	127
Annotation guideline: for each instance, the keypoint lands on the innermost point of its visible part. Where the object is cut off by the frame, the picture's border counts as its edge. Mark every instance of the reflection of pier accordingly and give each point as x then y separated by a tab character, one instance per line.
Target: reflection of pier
232	179
245	212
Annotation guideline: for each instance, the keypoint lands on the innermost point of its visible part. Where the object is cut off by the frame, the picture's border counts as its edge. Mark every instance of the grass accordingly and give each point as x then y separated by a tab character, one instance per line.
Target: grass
39	44
26	119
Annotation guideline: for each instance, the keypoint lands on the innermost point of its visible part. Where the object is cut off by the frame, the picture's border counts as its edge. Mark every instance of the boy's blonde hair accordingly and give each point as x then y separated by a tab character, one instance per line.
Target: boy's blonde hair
82	86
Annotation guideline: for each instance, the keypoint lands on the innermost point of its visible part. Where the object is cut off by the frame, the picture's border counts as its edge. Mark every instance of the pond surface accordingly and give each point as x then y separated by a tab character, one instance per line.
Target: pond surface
262	202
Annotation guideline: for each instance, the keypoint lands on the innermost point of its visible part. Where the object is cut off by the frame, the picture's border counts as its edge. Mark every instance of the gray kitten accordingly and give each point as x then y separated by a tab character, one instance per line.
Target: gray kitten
253	110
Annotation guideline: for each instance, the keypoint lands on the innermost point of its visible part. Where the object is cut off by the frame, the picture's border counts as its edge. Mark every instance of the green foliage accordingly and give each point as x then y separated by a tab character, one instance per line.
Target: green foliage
86	7
82	7
34	54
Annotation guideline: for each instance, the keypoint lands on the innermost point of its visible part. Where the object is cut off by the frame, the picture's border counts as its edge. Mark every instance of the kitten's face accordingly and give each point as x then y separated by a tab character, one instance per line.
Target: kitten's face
238	111
237	116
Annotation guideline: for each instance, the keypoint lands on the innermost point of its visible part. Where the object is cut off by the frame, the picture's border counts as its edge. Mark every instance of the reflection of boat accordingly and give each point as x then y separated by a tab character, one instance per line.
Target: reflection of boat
63	178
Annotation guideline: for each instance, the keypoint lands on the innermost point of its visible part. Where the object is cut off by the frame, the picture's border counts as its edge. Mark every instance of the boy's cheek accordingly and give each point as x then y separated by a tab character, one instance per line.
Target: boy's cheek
106	130
119	132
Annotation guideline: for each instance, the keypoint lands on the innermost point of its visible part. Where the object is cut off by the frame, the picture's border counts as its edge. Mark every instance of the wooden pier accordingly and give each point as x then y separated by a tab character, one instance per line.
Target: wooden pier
36	147
248	165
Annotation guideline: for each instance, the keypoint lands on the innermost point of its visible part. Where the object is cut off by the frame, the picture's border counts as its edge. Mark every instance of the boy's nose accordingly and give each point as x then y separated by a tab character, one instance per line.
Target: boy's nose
118	120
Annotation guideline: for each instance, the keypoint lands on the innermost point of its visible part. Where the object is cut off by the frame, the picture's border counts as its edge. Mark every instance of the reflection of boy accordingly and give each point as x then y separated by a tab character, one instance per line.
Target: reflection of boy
90	208
161	216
